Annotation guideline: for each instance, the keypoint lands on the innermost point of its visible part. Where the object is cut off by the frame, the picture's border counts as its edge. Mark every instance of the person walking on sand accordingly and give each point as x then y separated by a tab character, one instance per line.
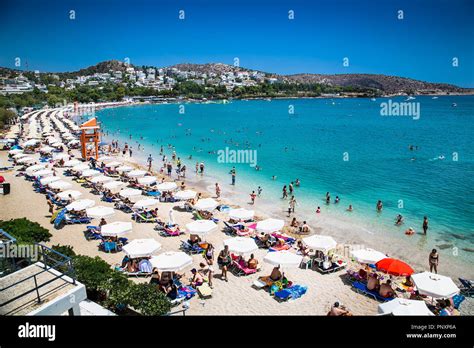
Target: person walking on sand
197	167
425	224
150	161
233	173
292	204
434	261
252	197
259	191
201	168
218	190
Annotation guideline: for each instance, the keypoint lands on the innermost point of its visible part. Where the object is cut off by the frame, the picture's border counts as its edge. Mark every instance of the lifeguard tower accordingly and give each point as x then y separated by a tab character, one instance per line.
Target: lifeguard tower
90	138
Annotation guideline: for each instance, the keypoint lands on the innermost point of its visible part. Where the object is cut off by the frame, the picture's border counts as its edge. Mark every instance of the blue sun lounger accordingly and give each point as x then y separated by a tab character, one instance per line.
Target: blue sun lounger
362	289
467	287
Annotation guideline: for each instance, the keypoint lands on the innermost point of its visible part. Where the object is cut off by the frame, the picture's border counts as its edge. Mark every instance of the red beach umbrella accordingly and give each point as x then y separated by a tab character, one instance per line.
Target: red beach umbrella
394	267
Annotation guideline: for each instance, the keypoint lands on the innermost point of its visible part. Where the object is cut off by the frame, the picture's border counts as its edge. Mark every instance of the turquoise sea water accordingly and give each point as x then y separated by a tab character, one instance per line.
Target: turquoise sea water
311	145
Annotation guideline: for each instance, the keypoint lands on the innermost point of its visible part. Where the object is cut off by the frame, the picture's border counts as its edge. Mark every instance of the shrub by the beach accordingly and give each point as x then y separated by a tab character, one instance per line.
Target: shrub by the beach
94	273
66	250
25	231
146	299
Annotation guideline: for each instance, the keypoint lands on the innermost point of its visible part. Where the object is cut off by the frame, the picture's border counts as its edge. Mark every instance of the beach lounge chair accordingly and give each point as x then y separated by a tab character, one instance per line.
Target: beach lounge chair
280	248
191	249
92	233
152	193
467	288
140	217
290	293
110	246
362	289
71	219
168	232
334	268
204	290
238	270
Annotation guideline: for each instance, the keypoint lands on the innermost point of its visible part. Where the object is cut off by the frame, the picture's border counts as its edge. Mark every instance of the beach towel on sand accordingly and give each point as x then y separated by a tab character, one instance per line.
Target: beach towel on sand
294	292
186	291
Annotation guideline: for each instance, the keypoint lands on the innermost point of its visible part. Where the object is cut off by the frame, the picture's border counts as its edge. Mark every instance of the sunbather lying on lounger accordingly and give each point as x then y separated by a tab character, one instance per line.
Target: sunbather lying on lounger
386	290
373	282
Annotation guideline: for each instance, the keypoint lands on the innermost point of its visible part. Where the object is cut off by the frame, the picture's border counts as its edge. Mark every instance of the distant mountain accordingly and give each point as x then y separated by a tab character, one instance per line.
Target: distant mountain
387	84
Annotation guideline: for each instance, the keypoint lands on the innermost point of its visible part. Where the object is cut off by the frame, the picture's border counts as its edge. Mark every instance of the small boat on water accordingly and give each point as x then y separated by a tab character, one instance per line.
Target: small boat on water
373	99
454	105
410	98
434	98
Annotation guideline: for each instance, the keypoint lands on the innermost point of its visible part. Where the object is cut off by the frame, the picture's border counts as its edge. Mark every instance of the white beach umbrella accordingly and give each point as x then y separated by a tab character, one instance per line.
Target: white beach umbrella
15	151
34	168
57	144
20	155
49	179
435	285
403	306
60	185
113	185
31	142
167	186
74	194
270	225
130	192
141	247
72	163
101	179
116	228
283	258
26	159
147	180
207	204
100	212
43	172
124	169
145	203
61	156
241	245
185	195
90	172
113	164
80	167
136	173
201	227
321	243
46	149
80	204
171	261
369	256
104	158
241	214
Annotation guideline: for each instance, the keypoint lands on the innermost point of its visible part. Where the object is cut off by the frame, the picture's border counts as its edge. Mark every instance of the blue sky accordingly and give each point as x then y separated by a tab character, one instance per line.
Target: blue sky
258	32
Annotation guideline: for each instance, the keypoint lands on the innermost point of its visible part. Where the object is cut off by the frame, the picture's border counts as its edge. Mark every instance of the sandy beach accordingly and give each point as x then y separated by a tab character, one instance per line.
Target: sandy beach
235	297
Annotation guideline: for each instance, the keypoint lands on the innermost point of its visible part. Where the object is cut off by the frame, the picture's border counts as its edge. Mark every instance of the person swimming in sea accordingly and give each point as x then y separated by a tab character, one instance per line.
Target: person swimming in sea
297	182
337	200
399	220
379	206
328	198
318	210
350	208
